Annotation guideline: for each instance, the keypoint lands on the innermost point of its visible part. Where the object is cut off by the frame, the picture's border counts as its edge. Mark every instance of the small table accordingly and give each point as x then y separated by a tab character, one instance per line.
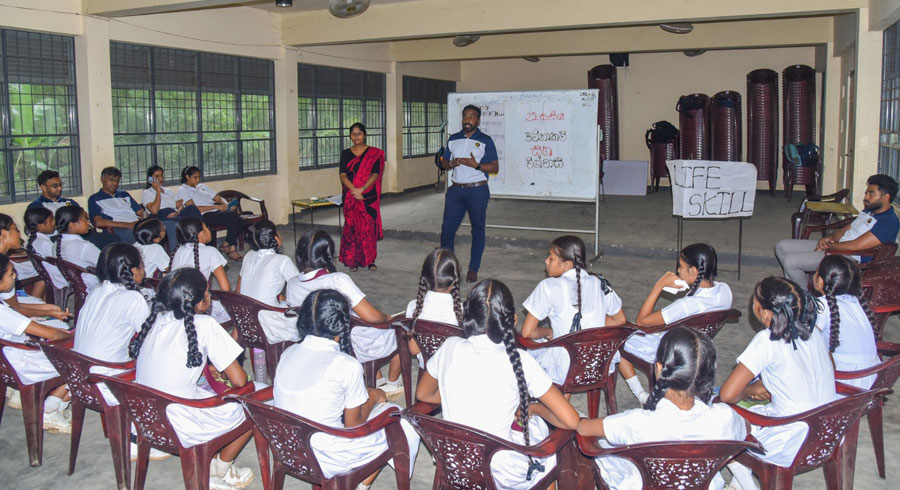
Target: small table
311	205
823	212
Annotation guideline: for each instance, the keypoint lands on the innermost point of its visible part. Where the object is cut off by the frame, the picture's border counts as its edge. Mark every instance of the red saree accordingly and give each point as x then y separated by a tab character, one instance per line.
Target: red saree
362	217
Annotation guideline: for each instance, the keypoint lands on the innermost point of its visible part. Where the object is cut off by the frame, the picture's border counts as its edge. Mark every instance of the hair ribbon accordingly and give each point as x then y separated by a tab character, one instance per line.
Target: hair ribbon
785	309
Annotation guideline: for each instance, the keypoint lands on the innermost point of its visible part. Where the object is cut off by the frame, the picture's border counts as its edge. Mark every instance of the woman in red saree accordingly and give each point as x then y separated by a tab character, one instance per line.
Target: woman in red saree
361	169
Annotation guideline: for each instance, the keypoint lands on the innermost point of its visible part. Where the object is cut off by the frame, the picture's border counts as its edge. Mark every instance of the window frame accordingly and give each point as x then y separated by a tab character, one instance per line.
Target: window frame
429	92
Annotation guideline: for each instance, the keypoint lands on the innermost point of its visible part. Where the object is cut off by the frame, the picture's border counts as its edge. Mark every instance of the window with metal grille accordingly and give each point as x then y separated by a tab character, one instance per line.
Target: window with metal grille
889	144
38	113
330	100
424	111
175	108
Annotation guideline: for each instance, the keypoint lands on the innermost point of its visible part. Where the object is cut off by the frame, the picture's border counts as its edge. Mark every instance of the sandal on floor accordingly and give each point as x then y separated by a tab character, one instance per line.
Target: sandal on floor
235	256
354	269
373	267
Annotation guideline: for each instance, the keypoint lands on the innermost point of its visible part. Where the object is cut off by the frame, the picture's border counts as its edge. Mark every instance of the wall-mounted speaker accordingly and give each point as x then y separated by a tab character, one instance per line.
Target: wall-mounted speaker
618	59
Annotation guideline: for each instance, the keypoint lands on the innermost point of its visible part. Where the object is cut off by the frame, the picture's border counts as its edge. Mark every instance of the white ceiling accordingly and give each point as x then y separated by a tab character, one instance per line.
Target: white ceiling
306	5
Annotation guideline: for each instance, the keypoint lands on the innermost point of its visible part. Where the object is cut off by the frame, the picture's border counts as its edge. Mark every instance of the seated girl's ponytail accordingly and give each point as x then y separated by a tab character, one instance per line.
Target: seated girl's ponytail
194	357
134	347
65	216
840	275
116	262
264	233
33	218
702	256
793	309
688	360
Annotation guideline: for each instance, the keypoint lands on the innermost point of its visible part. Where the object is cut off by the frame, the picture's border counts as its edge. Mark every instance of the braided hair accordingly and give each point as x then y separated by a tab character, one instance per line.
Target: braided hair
326	313
490	309
179	292
793	309
315	250
116	262
188	232
35	217
688	359
570	248
65	216
439	271
264	233
148	230
839	276
702	256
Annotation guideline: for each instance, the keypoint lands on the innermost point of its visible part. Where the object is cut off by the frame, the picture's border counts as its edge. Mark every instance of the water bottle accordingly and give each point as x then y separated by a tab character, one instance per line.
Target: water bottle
259	366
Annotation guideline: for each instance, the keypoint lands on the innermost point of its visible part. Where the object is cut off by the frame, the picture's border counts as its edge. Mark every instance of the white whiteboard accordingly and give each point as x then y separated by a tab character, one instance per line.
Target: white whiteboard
547	141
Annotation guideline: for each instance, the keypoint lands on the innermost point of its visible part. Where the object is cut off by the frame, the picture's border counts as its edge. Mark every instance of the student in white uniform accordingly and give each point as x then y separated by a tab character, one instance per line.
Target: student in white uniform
264	274
192	236
173	345
40	226
793	367
572	298
314	259
678	410
697	268
332	386
148	235
485	382
215	209
32	366
12	242
844	319
438	296
10	239
71	223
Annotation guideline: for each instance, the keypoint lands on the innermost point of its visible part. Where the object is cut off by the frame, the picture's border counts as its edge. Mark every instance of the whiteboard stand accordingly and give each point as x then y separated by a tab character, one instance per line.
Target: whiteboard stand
740	240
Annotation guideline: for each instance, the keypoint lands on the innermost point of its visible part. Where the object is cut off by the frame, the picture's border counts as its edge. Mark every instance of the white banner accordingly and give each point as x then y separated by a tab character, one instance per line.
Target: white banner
708	189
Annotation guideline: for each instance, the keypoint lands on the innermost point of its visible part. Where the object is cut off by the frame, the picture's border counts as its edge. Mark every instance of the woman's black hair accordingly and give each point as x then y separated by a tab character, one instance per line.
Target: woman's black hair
6	221
187	231
187	172
315	250
688	359
702	256
179	292
326	313
840	276
65	216
359	126
440	271
34	217
264	233
150	171
115	263
571	248
793	309
147	230
4	265
489	309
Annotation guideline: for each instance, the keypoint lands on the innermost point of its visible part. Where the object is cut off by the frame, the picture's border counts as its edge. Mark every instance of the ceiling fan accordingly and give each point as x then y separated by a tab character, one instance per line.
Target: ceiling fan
463	41
347	8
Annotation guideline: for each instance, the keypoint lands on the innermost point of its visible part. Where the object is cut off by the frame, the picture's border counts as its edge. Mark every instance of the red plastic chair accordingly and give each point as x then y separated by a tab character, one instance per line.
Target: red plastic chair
666	465
429	336
830	442
146	408
590	353
882	288
52	294
288	435
73	273
804	218
32	401
370	368
879	252
249	218
75	369
244	313
463	454
887	373
708	323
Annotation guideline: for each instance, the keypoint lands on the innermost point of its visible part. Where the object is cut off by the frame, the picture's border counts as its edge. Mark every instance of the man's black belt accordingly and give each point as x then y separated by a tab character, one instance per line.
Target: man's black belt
468	186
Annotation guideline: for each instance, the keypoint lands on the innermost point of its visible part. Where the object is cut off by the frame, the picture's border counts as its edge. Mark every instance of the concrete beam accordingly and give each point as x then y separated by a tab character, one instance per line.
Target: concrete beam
883	13
124	8
439	18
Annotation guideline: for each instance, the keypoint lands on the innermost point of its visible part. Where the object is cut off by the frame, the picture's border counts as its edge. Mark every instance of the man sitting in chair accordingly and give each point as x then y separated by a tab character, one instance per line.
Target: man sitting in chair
111	208
875	225
51	198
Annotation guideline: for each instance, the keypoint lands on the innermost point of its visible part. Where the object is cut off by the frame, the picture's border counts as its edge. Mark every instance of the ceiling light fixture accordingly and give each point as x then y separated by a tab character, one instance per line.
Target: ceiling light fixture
693	52
533	59
345	9
284	3
463	41
677	27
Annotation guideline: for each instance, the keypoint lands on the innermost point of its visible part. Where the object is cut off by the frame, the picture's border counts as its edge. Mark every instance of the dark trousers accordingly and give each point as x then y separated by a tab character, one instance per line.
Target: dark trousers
233	223
101	239
127	234
457	202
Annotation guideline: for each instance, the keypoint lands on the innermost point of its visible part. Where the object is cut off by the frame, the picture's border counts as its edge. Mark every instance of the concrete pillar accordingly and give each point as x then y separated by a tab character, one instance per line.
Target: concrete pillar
393	105
832	164
868	104
286	127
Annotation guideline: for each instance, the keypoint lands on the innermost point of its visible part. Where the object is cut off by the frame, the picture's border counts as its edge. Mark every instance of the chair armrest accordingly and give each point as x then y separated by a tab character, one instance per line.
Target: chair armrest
761	420
830	226
209	402
885	308
243	390
887	348
115	365
647	329
529	343
384	419
423	408
867	252
548	447
861	373
359	322
262	395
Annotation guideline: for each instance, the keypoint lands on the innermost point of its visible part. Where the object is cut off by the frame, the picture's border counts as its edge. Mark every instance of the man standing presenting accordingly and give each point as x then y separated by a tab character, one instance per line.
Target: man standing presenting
51	198
471	155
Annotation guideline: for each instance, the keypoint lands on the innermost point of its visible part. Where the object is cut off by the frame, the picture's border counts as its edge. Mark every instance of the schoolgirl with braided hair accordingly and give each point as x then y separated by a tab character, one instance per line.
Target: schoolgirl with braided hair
264	274
572	298
149	234
678	409
71	223
314	254
39	226
793	367
192	236
29	305
171	349
438	297
10	244
483	381
697	267
844	319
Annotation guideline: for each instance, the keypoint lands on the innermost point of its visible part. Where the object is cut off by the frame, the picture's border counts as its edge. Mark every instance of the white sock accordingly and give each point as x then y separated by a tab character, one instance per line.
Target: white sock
362	486
218	467
742	475
635	385
52	404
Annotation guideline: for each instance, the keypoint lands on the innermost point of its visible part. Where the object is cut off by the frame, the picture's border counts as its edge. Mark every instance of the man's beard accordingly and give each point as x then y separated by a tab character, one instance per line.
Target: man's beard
869	208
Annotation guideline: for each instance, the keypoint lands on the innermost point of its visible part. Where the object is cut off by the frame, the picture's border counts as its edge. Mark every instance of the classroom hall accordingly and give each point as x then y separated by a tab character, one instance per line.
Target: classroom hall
261	98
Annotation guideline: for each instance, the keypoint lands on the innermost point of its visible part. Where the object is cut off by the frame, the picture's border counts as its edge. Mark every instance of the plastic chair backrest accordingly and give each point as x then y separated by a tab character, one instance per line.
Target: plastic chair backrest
430	336
147	410
75	369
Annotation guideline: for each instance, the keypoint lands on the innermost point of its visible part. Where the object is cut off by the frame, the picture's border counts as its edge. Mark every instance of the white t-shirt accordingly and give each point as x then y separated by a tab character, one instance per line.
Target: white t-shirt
109	318
299	287
155	258
264	274
856	349
717	297
166	200
201	195
477	385
436	307
210	258
46	248
12	324
82	253
798	380
557	298
162	362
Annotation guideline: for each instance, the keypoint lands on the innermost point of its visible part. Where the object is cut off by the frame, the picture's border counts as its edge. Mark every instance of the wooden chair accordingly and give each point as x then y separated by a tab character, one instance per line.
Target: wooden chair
591	352
883	288
708	323
146	408
248	217
665	465
880	252
830	441
886	375
802	218
429	336
244	313
463	454
73	274
32	395
75	370
52	294
288	435
371	368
